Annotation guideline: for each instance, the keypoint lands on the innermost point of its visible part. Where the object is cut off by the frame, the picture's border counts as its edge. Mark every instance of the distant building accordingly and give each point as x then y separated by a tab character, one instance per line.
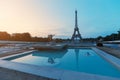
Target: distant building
50	37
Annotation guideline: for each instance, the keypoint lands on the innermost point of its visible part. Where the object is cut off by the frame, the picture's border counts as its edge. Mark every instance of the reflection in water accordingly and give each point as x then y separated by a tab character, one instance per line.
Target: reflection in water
87	54
53	54
77	58
52	57
74	59
77	55
51	60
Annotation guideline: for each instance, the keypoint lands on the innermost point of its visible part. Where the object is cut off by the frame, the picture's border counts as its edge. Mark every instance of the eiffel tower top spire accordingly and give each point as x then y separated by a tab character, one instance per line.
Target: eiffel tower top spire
76	24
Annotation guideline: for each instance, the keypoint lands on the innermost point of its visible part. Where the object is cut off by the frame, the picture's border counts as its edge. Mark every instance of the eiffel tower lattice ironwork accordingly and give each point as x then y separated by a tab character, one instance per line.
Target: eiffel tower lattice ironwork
76	35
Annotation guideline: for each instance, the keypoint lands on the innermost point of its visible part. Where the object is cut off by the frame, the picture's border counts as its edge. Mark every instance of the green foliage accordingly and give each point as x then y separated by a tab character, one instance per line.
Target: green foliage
112	37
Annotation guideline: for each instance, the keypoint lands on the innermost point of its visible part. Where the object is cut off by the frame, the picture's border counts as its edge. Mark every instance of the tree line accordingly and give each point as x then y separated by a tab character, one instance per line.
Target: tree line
111	37
27	37
21	37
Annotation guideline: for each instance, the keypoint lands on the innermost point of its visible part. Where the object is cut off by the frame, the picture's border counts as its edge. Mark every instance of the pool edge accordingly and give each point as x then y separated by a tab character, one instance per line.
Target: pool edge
51	73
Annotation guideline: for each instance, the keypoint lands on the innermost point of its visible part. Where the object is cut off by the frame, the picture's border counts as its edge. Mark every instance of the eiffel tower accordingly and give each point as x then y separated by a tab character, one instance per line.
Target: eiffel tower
76	35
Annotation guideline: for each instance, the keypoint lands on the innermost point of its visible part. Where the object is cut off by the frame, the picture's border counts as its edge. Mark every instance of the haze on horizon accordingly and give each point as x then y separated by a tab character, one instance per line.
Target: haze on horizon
43	17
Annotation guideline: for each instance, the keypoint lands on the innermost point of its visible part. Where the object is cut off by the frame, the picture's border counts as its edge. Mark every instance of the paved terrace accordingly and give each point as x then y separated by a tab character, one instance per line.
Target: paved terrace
13	71
112	51
10	50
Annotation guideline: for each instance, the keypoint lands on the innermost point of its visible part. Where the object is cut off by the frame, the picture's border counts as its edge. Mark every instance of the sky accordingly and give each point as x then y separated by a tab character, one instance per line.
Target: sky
43	17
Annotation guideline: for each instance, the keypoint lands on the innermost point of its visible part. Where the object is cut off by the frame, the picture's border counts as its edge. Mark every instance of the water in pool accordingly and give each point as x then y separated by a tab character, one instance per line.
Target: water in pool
82	60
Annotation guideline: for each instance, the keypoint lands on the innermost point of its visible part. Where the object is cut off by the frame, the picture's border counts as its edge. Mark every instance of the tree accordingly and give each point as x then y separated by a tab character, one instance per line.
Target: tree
26	36
21	36
4	36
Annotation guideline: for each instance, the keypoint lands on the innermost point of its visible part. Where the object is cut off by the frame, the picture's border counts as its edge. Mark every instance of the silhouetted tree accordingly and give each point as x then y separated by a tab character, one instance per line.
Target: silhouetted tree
26	36
119	35
4	36
21	36
111	37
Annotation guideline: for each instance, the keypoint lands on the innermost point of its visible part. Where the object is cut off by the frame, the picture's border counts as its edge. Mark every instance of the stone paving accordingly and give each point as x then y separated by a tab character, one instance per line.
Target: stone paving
112	51
13	52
